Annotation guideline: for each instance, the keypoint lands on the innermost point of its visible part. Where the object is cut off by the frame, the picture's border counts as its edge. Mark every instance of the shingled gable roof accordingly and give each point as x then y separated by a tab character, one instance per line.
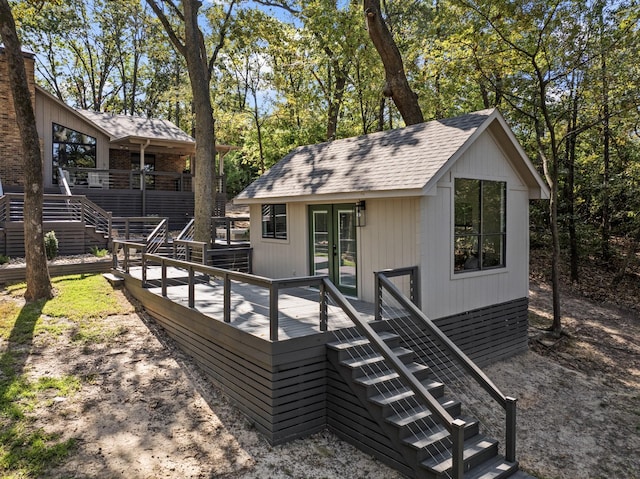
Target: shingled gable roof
405	161
121	127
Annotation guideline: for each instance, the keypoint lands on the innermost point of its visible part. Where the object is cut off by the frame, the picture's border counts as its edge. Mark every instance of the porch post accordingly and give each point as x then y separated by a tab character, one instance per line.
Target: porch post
142	180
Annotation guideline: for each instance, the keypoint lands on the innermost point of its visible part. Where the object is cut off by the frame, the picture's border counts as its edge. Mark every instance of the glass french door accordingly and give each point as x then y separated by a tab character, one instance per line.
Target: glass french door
333	245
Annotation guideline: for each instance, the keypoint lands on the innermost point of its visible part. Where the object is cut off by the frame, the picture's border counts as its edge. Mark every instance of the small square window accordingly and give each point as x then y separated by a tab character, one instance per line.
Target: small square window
274	221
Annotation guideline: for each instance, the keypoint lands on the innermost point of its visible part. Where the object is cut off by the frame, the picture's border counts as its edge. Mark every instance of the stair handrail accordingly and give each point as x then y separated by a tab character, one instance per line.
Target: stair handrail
188	231
506	402
455	427
63	183
94	215
158	237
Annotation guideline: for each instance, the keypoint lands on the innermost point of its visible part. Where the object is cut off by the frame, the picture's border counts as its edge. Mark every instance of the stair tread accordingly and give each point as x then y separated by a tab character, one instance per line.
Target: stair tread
496	468
434	434
397	394
472	446
372	358
359	341
419	412
388	374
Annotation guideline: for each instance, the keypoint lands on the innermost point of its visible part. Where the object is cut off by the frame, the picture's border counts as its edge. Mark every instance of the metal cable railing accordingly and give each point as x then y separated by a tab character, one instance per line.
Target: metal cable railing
405	363
449	364
427	435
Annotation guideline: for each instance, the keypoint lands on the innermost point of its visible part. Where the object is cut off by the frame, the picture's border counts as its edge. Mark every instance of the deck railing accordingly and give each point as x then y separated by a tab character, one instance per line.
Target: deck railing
58	208
79	178
448	363
196	273
230	229
401	313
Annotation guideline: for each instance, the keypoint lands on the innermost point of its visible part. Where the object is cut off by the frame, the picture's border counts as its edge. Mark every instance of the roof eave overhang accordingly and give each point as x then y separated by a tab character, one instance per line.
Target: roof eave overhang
347	197
187	146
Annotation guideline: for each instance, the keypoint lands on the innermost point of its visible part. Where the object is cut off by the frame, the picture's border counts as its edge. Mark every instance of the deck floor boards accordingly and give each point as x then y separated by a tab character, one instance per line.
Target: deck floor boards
299	308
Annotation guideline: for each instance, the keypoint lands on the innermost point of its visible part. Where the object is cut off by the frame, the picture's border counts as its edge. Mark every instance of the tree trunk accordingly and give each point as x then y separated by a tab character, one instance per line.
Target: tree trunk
606	157
37	273
196	58
570	183
335	102
397	87
550	167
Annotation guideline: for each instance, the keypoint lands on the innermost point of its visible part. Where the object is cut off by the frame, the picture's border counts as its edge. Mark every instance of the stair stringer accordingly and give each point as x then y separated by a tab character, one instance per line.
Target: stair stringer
377	415
352	422
352	362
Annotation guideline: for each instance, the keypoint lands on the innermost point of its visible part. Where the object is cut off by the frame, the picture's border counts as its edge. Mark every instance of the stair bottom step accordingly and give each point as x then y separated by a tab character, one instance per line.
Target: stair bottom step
477	450
498	468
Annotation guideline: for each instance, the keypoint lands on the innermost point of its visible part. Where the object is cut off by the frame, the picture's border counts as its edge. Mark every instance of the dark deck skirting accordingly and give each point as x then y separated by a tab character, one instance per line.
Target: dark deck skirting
280	386
489	334
288	389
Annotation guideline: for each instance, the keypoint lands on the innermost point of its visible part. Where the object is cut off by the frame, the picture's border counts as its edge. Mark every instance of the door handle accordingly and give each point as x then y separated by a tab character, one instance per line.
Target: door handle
335	250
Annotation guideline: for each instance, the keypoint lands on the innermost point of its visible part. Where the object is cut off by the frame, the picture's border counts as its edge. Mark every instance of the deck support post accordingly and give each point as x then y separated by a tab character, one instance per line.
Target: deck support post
323	307
273	312
227	298
378	293
144	268
192	288
510	439
457	449
164	279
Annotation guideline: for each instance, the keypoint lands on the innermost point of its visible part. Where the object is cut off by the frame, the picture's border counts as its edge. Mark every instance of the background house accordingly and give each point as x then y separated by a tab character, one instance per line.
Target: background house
131	166
450	196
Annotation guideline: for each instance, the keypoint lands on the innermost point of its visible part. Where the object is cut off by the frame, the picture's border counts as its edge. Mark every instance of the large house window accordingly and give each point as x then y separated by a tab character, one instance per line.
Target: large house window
72	149
480	225
274	221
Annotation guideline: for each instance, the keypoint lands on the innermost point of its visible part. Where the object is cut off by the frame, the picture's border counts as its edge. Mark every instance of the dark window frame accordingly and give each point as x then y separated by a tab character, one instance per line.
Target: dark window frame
475	224
73	139
274	221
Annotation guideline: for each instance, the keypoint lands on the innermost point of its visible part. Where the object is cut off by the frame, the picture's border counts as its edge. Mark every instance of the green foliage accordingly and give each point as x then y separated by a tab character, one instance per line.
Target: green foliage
4	259
283	74
99	252
51	245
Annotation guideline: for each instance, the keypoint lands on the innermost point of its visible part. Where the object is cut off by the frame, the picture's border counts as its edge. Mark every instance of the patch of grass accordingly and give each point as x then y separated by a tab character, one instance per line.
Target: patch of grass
25	454
25	451
81	307
80	297
82	303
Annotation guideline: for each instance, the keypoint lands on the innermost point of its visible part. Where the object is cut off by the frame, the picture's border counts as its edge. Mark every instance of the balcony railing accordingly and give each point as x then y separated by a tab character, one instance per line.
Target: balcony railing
83	178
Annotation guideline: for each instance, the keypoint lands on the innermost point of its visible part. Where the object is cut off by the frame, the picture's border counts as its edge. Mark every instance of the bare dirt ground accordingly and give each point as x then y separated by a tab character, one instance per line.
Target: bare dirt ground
146	411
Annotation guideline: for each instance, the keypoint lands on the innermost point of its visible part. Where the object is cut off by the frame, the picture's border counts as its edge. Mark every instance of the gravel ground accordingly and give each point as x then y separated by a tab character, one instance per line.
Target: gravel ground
146	411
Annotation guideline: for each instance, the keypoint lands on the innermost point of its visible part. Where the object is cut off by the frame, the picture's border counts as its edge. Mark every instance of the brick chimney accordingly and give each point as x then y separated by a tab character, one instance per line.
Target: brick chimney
11	162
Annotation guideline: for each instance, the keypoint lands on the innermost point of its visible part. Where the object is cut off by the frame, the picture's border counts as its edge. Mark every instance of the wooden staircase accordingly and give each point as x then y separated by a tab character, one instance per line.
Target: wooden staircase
424	444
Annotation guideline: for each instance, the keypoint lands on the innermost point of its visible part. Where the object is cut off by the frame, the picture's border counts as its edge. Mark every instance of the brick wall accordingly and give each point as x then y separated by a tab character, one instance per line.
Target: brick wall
11	162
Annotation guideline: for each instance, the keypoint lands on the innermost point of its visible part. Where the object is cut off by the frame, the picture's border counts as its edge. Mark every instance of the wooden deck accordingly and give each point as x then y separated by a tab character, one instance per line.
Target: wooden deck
281	386
299	308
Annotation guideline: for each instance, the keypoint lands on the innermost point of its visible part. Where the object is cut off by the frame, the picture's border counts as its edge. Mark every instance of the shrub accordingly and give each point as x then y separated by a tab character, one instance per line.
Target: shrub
4	259
51	245
99	252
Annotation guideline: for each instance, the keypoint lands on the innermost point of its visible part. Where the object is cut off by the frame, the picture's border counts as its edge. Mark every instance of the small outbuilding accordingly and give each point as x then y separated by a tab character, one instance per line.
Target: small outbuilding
448	196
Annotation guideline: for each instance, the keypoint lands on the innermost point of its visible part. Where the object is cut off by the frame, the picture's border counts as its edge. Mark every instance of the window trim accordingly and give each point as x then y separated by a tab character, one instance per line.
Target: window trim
481	270
273	215
55	160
